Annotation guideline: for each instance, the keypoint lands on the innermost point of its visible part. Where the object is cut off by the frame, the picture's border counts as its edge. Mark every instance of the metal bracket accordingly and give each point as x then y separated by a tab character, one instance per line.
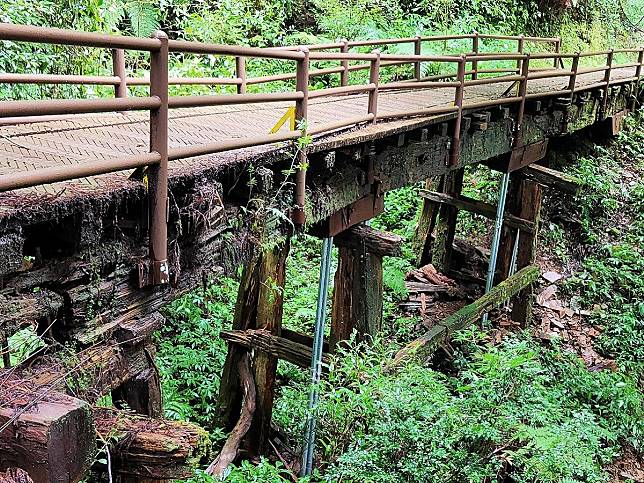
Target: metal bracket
153	272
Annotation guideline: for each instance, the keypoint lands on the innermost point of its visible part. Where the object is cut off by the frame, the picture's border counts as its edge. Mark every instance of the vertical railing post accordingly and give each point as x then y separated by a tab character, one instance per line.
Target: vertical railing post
522	91
557	61
418	47
158	174
607	73
118	69
301	117
520	49
374	78
573	75
638	75
455	150
344	75
475	49
240	71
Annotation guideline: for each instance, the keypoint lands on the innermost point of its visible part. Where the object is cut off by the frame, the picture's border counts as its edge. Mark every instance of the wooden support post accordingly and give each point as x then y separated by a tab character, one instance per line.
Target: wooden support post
530	208
446	223
423	238
142	393
259	306
357	296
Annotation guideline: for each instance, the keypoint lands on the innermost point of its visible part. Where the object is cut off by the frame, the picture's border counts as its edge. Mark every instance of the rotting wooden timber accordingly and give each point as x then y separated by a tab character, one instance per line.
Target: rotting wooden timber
48	434
231	447
553	179
440	333
279	347
148	448
363	237
15	475
479	207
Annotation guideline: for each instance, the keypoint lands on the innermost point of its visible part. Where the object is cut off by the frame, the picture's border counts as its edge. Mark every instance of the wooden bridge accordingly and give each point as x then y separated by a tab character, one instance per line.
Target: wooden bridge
111	207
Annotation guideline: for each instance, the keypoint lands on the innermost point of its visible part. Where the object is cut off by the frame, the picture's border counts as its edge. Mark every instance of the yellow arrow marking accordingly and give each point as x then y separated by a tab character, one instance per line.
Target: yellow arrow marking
288	116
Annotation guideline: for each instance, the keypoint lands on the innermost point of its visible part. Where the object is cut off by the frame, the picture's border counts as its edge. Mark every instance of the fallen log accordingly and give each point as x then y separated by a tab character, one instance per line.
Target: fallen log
363	237
279	347
552	178
48	434
150	448
231	446
440	333
479	207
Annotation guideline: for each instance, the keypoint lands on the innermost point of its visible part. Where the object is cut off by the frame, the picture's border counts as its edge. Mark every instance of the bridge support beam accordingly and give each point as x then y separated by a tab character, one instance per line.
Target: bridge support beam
357	296
524	200
441	253
259	306
423	238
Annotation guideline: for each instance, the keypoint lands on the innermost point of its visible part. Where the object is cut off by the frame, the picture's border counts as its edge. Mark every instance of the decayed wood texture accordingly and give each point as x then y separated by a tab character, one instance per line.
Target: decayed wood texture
423	237
231	446
363	237
441	258
479	207
15	475
279	347
552	178
48	434
440	334
146	449
259	306
357	295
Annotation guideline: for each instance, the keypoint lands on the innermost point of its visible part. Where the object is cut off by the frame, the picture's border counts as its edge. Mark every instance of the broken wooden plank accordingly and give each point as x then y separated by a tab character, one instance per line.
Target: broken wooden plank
363	237
479	207
149	448
440	333
279	347
48	434
552	178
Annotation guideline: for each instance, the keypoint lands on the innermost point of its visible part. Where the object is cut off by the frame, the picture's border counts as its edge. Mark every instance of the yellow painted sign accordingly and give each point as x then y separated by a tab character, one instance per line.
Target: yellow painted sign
288	116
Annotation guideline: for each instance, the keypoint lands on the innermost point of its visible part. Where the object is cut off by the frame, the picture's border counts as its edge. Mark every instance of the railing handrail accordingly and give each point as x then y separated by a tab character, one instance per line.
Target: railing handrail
159	102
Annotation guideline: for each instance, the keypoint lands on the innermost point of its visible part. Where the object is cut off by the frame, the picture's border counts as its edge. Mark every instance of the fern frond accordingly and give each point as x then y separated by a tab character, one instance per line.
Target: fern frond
144	17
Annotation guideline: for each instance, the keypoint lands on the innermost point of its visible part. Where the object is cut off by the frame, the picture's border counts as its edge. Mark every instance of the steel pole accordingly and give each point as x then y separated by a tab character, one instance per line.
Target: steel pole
498	225
316	358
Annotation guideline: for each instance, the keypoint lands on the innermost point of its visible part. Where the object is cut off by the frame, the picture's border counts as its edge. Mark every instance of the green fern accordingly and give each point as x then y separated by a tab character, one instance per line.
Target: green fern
143	16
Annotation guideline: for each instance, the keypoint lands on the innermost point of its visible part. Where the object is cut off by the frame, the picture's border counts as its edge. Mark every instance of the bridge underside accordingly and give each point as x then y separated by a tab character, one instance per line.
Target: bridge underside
70	251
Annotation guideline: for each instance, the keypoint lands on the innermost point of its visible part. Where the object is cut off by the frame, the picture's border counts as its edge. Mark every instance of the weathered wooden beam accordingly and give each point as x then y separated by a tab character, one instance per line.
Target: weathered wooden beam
303	339
452	185
279	347
259	306
48	434
357	295
479	207
17	311
147	448
440	333
552	178
363	237
423	238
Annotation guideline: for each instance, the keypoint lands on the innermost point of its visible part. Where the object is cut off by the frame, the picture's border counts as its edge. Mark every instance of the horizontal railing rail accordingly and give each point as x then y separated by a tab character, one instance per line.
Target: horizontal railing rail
458	78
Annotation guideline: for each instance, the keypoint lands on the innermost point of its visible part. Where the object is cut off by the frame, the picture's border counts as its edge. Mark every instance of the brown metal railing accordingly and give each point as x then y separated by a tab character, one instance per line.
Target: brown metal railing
158	102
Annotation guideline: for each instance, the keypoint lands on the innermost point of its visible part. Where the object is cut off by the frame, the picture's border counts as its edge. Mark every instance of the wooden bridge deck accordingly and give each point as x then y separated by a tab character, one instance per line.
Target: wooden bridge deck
78	138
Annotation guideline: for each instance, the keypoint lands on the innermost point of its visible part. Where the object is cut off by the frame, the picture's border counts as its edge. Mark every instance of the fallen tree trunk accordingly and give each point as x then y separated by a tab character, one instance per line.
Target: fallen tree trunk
440	333
149	448
231	446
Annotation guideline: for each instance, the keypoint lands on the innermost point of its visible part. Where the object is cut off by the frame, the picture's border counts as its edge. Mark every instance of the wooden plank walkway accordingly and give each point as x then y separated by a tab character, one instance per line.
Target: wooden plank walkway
80	138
